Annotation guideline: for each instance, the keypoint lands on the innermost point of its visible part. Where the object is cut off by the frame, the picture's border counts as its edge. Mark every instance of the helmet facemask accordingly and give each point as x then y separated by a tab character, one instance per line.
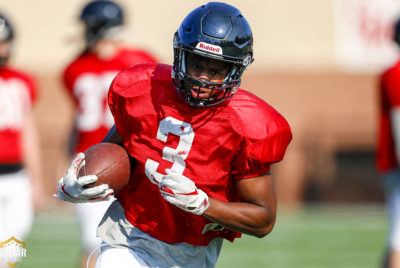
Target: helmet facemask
191	88
102	19
94	34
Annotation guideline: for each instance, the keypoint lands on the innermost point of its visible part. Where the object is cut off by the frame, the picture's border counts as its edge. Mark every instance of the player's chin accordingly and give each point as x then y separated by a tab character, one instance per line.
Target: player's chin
203	93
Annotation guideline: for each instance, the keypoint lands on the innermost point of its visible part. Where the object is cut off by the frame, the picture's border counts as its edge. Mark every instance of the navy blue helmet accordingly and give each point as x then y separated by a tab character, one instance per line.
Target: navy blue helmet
6	30
99	17
218	31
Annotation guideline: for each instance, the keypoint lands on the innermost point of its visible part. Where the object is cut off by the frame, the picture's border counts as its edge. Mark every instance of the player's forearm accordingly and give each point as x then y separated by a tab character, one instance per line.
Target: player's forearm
242	217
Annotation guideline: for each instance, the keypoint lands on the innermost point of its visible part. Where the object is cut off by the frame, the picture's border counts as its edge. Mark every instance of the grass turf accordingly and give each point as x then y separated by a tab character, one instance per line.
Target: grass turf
315	236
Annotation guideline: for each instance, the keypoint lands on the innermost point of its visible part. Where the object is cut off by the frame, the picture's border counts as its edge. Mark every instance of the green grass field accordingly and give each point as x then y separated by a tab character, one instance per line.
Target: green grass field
312	237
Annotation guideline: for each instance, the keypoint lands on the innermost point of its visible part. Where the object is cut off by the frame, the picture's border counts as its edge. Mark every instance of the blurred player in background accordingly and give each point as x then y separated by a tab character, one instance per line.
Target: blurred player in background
21	187
203	147
388	153
87	79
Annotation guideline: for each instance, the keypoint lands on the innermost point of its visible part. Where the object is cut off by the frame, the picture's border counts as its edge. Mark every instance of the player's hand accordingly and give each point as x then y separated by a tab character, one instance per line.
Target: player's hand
71	189
183	193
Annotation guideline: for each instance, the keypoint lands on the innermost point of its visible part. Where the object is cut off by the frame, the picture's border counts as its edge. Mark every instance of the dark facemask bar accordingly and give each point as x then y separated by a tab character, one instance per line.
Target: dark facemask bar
218	93
224	88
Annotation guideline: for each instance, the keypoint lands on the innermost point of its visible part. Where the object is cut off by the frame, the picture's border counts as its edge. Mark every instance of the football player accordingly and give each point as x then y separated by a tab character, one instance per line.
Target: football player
87	79
21	187
204	149
388	153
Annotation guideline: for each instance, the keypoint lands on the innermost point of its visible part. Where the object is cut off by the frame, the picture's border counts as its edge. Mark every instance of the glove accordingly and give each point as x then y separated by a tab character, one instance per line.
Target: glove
183	193
70	188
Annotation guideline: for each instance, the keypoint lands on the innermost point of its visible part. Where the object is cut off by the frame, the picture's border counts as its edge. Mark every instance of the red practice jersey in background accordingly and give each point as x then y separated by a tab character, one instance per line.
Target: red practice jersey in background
17	95
238	139
88	79
389	97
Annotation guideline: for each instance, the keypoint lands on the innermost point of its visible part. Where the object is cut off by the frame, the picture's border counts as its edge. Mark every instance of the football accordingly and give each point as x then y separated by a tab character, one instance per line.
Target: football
110	162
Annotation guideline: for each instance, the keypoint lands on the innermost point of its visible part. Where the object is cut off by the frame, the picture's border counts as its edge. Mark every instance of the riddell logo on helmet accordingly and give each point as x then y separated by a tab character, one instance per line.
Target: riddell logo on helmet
209	48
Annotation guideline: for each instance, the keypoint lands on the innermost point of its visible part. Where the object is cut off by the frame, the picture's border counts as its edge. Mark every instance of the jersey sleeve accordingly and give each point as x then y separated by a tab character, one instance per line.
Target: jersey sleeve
126	86
257	157
390	83
31	86
264	141
68	79
33	90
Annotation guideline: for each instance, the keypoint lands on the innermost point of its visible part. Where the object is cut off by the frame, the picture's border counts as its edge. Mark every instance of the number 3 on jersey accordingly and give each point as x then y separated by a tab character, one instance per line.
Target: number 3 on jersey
176	156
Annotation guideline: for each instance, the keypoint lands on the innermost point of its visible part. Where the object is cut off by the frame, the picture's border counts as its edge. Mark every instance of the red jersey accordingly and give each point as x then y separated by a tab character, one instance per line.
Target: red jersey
214	146
17	95
389	92
88	79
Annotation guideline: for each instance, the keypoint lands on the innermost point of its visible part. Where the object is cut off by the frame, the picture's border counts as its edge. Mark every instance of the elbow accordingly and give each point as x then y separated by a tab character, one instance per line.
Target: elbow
264	231
265	226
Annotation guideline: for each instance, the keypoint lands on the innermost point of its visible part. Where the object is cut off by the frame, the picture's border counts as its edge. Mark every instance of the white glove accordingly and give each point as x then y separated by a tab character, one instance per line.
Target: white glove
183	193
71	189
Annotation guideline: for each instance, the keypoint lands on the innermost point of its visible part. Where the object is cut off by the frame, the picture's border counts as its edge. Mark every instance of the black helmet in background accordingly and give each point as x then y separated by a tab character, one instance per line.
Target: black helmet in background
102	20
